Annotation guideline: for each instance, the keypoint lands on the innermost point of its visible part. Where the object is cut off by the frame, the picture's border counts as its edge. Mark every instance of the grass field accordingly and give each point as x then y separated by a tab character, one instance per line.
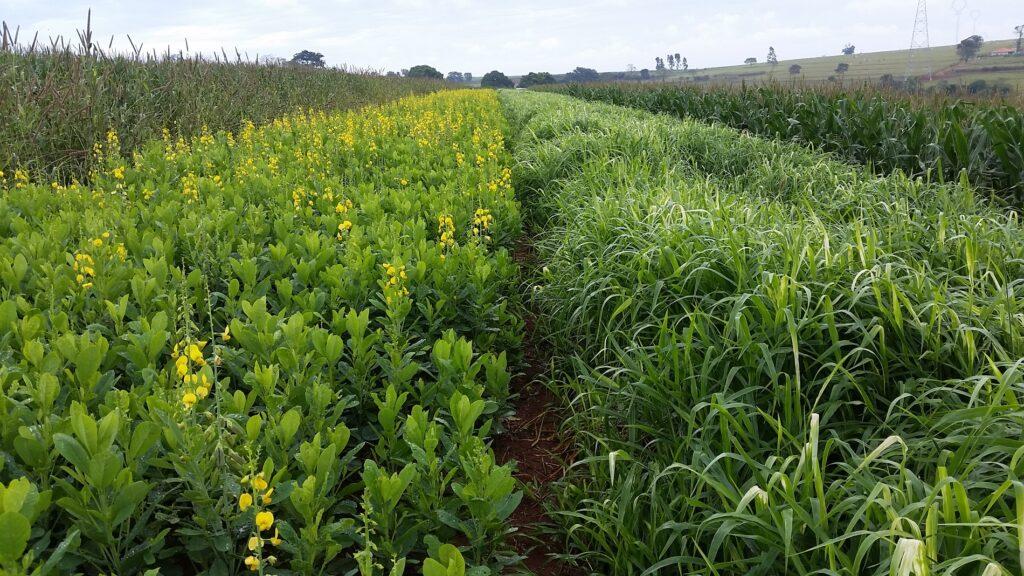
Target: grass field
774	363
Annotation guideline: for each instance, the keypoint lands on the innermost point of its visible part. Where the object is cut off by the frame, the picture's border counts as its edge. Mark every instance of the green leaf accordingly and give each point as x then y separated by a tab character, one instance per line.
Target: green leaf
72	451
289	425
13	536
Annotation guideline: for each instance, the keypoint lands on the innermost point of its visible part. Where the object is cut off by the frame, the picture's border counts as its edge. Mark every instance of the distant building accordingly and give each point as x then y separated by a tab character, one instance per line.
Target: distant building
1009	51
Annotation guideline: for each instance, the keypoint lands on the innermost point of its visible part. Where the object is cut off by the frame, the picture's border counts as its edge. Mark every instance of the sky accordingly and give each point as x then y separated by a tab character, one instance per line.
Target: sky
513	36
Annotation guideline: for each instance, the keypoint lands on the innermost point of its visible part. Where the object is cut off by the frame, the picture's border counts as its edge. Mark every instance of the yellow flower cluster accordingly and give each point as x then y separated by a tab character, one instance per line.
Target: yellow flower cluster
482	220
84	267
342	208
189	366
190	187
505	181
20	178
205	137
446	232
300	198
264	520
394	286
84	263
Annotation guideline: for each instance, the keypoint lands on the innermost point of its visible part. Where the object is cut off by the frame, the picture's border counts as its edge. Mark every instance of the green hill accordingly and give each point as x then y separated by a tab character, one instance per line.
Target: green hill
943	62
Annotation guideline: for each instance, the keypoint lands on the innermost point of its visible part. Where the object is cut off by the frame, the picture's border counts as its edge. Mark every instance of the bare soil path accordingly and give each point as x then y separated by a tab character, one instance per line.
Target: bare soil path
532	439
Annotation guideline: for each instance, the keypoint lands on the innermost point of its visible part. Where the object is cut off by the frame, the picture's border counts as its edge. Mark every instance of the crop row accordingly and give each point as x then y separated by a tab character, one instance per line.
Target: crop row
58	102
859	125
276	350
775	363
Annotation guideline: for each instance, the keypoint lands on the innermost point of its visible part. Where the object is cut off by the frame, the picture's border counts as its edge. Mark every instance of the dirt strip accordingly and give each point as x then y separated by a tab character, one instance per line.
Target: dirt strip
532	440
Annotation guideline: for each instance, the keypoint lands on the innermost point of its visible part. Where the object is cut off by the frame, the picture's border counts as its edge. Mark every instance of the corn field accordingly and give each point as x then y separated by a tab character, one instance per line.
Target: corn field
59	98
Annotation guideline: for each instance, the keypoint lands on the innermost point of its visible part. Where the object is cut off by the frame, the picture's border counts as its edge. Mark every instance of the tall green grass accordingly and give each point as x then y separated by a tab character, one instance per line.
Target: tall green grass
60	99
918	136
779	364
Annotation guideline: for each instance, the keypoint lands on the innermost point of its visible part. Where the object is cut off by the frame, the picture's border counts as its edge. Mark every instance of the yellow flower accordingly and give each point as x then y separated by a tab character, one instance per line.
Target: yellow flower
404	182
252	562
202	392
259	482
181	364
189	400
244	501
194	353
254	543
276	540
264	520
226	334
268	496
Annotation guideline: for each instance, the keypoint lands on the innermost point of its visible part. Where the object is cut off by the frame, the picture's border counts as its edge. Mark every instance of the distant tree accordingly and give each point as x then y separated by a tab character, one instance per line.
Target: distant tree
842	67
659	64
969	47
679	63
1020	38
536	79
308	58
495	79
686	65
645	74
404	72
455	77
887	81
581	74
750	61
772	58
795	69
467	76
424	71
978	86
392	74
849	49
630	68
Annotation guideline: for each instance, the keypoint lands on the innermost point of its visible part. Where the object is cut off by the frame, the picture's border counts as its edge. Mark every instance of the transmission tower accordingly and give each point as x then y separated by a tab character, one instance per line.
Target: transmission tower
919	62
958	9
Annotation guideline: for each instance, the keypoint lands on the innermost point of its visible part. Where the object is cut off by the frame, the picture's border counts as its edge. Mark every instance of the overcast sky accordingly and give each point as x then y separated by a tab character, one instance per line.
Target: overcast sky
515	36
